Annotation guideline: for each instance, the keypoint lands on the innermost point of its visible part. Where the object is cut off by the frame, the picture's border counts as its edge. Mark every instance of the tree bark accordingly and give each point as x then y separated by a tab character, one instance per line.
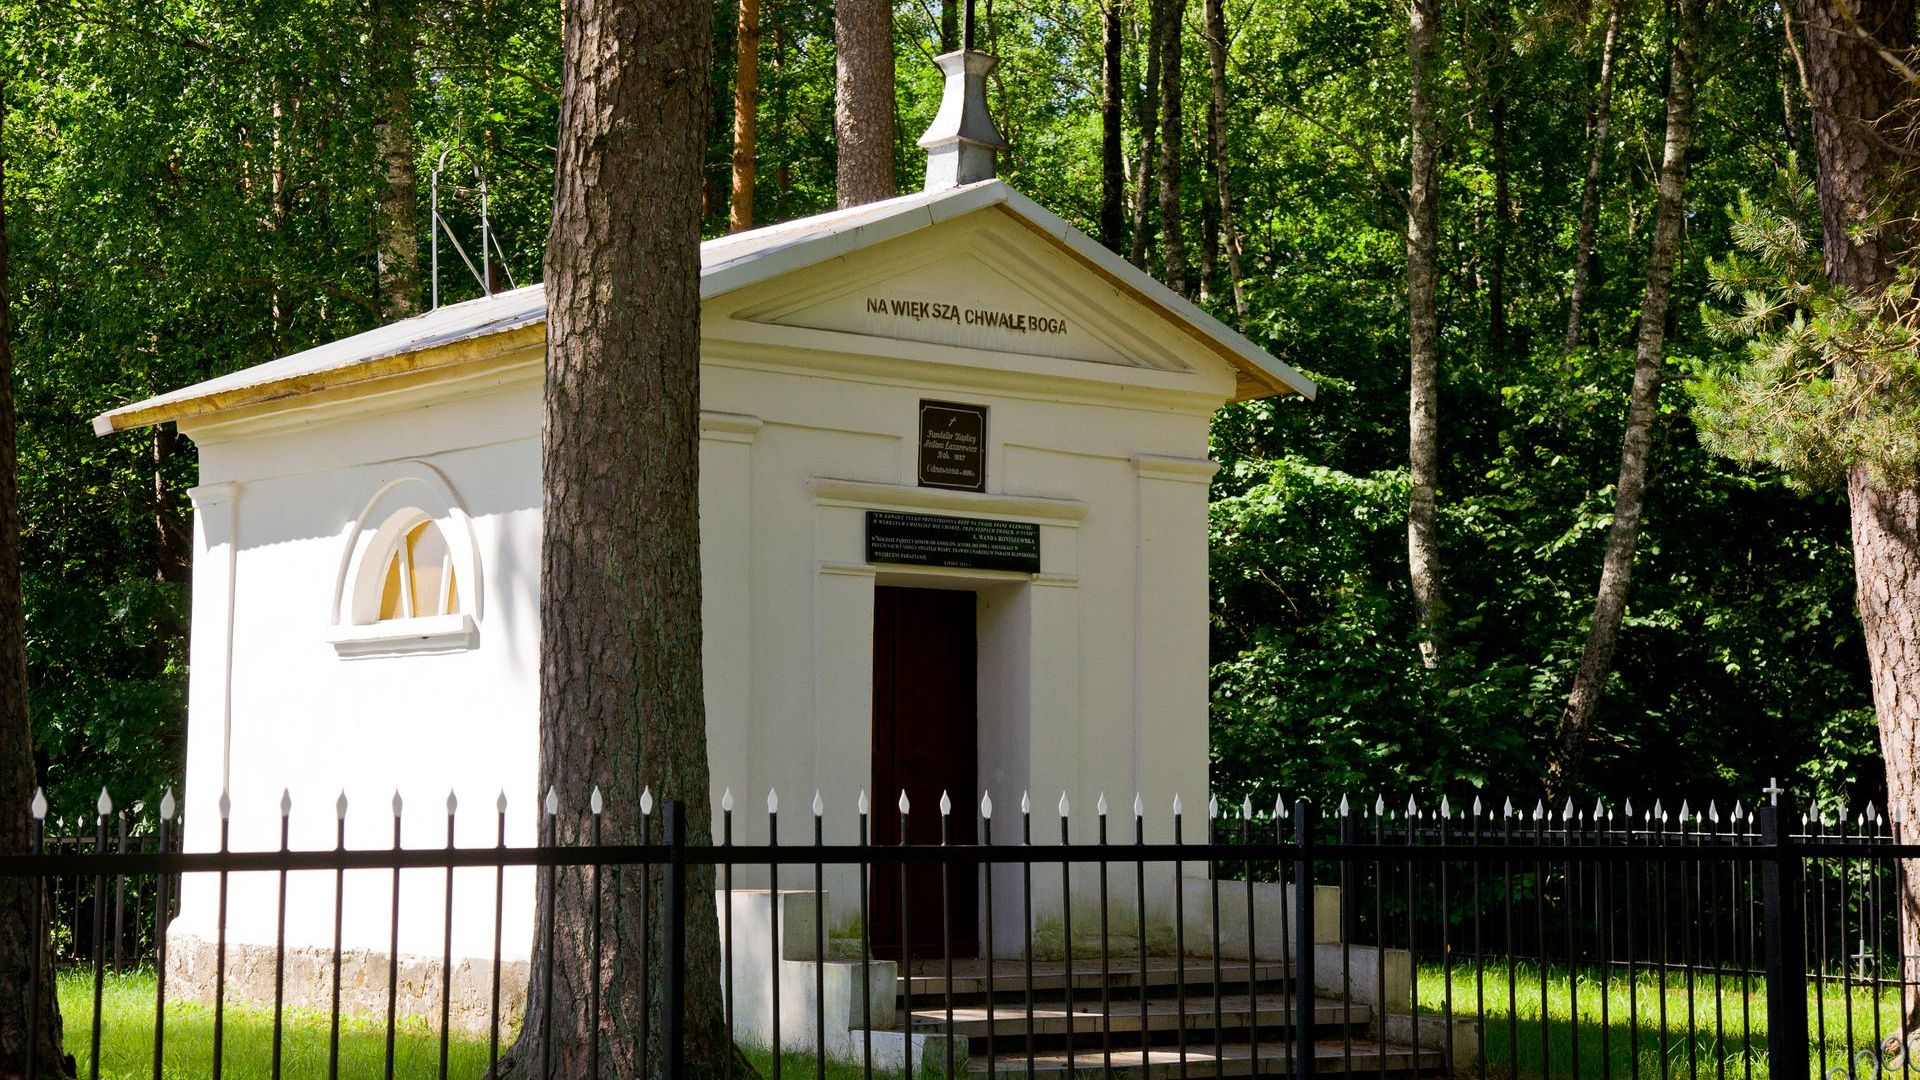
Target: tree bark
746	110
24	957
621	700
1423	339
1149	116
1590	187
395	33
1113	170
1173	250
1222	161
1851	88
1643	401
172	533
863	100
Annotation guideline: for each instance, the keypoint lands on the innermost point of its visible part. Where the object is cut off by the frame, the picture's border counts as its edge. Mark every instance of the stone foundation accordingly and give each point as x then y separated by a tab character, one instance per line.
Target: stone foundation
191	963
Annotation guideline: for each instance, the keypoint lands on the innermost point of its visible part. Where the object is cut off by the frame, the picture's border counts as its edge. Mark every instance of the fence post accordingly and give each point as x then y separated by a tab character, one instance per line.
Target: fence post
1782	895
674	903
1303	986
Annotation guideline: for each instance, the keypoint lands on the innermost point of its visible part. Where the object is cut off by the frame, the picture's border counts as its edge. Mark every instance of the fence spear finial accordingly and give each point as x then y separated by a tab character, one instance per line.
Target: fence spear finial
1100	805
646	801
167	805
1246	808
1213	806
904	804
726	801
773	800
1026	803
1477	812
39	804
500	804
863	805
552	801
946	804
286	802
1507	810
1446	808
226	805
986	805
595	803
104	804
453	801
1063	804
1176	804
1379	806
396	802
1539	809
820	805
1139	806
1343	804
340	805
1566	814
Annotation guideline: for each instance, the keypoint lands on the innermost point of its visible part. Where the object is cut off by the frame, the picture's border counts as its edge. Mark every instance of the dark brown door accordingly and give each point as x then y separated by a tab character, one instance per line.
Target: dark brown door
924	733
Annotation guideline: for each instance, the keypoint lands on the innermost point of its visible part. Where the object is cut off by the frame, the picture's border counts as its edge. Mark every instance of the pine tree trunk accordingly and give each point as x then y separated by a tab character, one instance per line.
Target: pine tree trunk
1209	208
1590	188
1149	116
1222	161
395	31
1173	249
1113	170
621	701
1852	88
1423	339
863	100
24	956
1643	404
746	111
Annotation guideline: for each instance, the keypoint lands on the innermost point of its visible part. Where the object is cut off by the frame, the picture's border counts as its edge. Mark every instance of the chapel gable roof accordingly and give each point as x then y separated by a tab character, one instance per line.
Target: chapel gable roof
515	319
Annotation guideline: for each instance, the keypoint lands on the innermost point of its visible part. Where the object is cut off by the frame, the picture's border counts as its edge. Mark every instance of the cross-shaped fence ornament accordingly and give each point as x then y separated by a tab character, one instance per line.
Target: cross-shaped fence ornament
1774	791
1862	958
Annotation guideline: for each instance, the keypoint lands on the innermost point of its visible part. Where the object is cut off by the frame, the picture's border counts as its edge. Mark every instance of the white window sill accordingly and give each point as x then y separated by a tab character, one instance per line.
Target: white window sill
406	637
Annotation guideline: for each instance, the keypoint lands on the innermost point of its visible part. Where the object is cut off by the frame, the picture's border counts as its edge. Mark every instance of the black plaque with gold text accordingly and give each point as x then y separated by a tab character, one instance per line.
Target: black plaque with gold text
960	543
953	446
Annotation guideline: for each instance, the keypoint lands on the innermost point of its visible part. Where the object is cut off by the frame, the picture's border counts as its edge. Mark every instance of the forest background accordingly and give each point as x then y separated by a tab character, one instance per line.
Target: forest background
202	185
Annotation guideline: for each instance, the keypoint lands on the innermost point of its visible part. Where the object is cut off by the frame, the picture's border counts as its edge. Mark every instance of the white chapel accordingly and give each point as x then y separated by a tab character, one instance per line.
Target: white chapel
953	500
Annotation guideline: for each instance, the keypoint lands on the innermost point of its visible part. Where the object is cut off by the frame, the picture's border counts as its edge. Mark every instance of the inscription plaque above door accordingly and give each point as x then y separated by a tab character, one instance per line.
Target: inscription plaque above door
953	446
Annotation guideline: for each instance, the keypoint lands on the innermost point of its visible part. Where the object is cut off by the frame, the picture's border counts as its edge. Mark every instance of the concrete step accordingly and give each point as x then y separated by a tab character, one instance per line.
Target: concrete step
1236	1013
1361	1057
973	980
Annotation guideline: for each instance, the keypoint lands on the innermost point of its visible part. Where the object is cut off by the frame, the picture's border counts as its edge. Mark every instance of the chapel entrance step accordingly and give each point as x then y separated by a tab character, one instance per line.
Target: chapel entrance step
1361	1057
972	979
1237	1013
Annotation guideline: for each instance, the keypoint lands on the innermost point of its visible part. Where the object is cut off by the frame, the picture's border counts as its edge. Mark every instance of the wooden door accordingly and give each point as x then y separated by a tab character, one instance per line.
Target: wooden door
925	727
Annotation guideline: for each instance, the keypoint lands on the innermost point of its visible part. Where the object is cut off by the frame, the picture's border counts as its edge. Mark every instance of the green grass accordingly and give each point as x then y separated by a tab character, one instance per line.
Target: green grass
126	1040
1709	1045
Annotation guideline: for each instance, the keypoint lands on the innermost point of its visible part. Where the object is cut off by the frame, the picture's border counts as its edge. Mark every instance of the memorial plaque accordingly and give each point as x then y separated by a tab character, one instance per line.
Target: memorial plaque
953	446
961	543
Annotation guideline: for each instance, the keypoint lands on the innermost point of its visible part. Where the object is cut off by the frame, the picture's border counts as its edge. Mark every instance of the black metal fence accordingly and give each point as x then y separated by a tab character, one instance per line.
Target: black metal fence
1409	940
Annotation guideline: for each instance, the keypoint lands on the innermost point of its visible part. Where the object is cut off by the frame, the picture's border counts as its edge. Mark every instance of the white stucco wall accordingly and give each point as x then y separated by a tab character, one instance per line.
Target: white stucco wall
1093	673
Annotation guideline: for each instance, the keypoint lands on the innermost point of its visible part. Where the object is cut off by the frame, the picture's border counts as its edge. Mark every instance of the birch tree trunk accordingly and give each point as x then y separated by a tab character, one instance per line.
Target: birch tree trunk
863	100
1173	248
24	956
1853	89
1423	341
1222	162
1590	187
1113	170
1149	114
395	33
746	114
621	701
1575	729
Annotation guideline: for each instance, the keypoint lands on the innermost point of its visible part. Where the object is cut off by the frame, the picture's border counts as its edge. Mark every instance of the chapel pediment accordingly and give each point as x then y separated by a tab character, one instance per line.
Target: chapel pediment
975	287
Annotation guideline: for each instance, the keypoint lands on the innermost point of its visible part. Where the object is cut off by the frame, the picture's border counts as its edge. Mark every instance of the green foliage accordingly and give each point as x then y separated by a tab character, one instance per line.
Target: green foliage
1829	379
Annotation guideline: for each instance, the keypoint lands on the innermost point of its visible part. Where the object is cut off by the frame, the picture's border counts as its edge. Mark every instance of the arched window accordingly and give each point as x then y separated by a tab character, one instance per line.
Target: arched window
419	579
